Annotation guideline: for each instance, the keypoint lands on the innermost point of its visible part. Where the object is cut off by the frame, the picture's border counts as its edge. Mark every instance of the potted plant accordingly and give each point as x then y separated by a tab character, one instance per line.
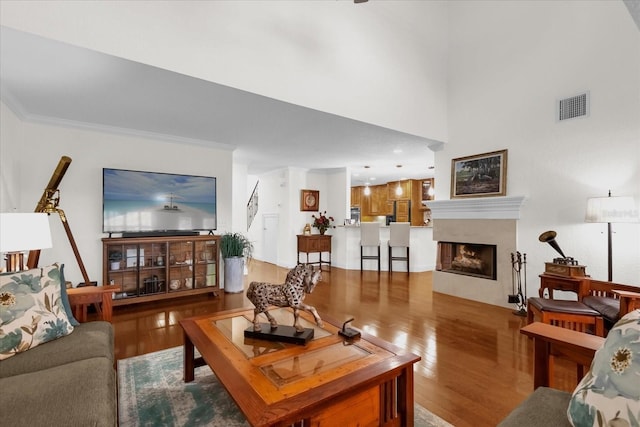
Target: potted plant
114	259
234	248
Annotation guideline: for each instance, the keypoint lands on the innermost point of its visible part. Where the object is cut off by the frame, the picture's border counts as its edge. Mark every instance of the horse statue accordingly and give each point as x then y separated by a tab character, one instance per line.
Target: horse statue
300	280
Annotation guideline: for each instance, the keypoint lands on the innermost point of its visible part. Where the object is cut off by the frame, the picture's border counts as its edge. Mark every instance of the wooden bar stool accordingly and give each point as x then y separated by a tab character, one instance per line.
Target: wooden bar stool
369	237
399	236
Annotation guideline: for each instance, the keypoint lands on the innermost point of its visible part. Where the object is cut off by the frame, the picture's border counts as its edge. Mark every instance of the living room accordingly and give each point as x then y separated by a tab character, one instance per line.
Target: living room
501	68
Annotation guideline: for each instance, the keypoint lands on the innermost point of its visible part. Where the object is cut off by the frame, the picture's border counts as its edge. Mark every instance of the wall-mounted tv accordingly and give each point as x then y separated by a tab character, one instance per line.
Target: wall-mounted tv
138	202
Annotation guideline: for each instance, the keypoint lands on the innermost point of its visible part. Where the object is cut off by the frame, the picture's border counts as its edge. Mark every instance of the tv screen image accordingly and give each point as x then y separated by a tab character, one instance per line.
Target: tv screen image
138	201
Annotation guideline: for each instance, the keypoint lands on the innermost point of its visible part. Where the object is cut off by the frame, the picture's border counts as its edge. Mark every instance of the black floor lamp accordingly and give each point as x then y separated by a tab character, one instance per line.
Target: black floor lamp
611	210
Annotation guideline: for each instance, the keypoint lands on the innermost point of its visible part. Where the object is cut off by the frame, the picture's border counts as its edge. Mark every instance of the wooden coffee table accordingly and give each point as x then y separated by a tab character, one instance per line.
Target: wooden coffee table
327	382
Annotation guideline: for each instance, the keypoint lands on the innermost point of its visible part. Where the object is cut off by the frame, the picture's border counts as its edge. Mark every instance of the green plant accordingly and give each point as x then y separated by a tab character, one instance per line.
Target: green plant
115	256
235	245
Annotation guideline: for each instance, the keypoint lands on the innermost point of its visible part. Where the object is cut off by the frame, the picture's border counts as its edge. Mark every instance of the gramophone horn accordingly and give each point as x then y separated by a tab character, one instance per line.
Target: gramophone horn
550	238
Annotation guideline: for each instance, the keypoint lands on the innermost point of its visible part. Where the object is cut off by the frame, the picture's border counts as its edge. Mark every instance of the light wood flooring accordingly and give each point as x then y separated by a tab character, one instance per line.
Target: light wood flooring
475	368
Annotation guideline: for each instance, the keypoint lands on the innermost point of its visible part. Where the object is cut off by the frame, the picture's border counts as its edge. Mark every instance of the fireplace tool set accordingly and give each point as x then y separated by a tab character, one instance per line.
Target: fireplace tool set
518	269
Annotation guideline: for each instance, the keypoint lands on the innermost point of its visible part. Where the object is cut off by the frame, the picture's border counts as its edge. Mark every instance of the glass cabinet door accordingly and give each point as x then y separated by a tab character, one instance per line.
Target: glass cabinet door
180	266
152	268
205	266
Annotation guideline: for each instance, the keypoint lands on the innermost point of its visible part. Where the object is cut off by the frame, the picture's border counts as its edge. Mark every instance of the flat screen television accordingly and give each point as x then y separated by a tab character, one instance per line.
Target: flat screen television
148	202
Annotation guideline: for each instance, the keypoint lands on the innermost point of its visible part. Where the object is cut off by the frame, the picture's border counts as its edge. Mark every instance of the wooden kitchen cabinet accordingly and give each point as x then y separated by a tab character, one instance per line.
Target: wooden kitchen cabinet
402	210
405	186
356	196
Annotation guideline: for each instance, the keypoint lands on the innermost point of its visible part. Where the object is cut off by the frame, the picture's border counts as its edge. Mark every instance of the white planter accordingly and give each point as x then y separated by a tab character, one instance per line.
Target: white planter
233	275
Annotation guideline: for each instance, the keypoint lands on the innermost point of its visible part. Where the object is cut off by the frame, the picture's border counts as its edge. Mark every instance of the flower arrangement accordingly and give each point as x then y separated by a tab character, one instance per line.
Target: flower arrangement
322	222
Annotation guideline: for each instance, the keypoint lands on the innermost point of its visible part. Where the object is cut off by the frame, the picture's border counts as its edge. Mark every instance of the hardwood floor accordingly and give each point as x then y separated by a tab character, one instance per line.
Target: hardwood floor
475	368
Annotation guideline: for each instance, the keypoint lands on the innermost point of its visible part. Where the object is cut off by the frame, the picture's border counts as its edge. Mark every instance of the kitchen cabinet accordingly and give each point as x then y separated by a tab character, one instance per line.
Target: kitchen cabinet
356	196
405	187
402	210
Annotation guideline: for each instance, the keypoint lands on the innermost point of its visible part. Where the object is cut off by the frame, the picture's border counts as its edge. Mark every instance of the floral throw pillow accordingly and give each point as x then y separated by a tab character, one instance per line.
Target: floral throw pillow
609	395
31	310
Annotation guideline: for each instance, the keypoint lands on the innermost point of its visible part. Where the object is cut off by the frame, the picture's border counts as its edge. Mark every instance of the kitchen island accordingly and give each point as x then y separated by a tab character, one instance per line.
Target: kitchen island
345	249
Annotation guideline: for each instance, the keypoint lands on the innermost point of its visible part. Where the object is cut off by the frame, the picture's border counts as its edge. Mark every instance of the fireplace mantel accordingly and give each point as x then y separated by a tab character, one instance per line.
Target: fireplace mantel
477	208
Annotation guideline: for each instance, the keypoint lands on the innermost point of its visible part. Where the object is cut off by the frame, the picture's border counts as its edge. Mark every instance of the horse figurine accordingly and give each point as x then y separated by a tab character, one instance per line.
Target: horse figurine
300	280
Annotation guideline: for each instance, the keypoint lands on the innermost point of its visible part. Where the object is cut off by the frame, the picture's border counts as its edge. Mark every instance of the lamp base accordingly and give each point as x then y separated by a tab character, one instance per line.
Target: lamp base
15	261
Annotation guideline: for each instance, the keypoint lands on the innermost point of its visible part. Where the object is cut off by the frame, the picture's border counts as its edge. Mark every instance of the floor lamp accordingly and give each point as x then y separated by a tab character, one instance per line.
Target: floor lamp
23	232
611	210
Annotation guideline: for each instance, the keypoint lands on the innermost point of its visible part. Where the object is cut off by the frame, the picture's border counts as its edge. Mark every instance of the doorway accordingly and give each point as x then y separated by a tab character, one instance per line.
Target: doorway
270	238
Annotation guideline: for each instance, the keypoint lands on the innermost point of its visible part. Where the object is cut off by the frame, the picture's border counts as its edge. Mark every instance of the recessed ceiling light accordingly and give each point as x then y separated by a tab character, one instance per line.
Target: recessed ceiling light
398	166
367	166
373	178
397	151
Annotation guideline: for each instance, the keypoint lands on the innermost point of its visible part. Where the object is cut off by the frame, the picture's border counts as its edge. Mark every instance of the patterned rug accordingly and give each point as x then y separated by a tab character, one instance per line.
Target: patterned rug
151	393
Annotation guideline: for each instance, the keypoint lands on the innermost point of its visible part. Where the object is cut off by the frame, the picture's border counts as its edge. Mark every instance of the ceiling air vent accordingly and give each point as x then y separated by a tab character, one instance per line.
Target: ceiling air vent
576	106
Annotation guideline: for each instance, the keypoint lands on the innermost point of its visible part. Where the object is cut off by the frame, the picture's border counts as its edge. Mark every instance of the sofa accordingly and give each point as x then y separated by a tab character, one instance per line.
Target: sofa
54	371
609	392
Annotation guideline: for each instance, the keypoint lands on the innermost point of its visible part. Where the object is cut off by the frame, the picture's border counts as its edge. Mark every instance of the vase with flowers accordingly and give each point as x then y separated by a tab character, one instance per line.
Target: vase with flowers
322	222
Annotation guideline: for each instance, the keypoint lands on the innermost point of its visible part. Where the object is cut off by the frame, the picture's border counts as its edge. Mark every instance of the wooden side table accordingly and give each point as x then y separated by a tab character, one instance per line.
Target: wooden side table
101	296
315	243
579	285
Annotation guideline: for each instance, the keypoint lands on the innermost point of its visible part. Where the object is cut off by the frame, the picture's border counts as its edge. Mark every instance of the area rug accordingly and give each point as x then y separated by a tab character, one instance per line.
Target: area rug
151	392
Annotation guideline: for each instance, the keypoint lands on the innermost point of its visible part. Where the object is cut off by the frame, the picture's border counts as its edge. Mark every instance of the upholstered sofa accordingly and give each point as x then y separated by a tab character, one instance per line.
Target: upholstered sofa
53	370
609	392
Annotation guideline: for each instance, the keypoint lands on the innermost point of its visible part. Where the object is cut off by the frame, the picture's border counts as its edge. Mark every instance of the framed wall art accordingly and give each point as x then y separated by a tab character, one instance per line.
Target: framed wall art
252	206
309	200
481	175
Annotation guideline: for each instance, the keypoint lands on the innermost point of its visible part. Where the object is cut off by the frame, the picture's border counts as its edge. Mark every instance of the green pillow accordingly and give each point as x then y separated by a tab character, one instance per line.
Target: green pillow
609	394
31	310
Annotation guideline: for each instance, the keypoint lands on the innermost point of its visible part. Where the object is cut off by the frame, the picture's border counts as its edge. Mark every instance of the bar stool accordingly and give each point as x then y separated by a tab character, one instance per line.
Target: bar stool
369	236
399	238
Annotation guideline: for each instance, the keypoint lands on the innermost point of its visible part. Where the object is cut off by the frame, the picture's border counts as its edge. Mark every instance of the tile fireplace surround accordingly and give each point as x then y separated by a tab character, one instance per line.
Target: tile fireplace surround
485	220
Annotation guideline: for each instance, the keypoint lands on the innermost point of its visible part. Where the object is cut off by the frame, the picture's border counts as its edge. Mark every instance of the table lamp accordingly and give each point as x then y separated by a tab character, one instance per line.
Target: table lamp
611	210
23	232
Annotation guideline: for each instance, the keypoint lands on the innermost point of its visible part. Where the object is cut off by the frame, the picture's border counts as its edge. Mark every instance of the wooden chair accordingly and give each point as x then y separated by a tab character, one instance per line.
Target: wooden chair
573	315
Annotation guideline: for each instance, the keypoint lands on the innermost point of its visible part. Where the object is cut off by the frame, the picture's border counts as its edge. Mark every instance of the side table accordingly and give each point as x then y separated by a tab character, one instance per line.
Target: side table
314	243
101	296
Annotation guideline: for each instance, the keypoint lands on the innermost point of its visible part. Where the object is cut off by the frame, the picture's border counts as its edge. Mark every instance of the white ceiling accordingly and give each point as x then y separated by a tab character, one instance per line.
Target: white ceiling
43	80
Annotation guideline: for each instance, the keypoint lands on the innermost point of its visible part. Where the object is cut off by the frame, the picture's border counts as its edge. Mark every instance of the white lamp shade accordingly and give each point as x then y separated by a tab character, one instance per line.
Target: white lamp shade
24	231
611	209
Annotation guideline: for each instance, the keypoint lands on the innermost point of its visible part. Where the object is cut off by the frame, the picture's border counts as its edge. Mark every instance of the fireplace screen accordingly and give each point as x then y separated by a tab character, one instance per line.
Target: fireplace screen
471	259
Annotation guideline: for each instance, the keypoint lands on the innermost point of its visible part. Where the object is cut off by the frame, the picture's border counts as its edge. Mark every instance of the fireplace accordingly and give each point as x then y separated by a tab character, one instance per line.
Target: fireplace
470	259
488	220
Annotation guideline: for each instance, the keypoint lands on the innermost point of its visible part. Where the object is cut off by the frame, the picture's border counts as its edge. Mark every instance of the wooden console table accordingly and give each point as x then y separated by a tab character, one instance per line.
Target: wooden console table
314	243
552	282
101	296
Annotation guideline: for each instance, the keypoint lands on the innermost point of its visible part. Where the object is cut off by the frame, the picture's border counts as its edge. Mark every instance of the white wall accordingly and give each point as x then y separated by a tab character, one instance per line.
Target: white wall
383	62
508	64
29	153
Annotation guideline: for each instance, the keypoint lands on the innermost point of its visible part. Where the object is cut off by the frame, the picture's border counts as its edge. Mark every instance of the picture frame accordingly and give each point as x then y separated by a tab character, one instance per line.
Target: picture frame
309	200
480	175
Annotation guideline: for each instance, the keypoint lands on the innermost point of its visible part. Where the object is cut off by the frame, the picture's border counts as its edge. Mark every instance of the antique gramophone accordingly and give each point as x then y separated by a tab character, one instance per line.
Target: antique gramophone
565	266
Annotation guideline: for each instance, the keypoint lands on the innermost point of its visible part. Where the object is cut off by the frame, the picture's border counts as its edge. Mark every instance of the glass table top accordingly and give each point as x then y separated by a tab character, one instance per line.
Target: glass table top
233	329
